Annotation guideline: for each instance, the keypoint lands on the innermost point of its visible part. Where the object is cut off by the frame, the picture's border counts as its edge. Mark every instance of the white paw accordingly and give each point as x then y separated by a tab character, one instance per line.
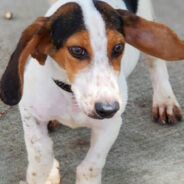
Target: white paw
166	109
54	176
41	177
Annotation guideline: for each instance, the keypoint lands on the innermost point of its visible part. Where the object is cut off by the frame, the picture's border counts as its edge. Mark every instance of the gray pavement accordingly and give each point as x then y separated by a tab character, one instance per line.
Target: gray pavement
145	152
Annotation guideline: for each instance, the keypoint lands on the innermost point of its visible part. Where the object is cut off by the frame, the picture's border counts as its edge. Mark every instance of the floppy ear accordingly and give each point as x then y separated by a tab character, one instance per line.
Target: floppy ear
11	84
152	38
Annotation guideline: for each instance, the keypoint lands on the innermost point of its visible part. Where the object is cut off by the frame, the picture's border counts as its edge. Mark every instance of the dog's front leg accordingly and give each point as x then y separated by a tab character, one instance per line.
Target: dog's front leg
102	138
42	168
166	108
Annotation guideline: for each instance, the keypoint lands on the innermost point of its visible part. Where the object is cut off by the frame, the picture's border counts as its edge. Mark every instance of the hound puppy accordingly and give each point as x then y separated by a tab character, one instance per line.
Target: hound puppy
77	76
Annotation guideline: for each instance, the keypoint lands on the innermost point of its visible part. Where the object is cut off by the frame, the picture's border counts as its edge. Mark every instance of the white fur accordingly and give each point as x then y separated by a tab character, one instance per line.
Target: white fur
43	101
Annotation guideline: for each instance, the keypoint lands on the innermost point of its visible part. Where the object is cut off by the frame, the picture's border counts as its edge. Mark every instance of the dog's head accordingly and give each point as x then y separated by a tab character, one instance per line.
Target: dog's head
87	40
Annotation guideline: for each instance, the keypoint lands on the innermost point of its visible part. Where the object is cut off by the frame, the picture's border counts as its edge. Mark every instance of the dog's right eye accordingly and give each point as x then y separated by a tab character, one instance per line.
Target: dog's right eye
78	52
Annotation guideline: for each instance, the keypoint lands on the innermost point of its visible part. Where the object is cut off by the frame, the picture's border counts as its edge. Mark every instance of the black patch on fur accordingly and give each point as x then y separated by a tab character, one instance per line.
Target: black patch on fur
67	24
131	5
10	85
111	17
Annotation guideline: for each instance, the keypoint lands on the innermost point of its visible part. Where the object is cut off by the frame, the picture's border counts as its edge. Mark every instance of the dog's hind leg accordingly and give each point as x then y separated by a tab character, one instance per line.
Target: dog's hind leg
166	108
42	167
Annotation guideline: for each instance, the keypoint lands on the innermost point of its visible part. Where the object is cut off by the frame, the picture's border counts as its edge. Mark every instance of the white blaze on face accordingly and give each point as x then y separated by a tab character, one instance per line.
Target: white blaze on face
98	81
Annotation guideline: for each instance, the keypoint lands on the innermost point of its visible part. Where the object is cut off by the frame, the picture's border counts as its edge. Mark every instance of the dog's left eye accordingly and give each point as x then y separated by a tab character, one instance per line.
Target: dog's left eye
78	52
117	50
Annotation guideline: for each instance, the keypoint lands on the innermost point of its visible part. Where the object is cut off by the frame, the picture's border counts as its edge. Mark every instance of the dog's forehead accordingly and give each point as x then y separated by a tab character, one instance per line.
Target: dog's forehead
93	16
111	17
67	20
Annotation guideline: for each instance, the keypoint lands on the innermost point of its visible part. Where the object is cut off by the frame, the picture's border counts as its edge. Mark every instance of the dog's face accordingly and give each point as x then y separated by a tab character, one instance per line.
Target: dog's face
87	40
93	71
91	56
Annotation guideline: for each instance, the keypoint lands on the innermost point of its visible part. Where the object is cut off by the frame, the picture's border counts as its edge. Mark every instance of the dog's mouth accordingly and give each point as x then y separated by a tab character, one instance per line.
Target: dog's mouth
95	116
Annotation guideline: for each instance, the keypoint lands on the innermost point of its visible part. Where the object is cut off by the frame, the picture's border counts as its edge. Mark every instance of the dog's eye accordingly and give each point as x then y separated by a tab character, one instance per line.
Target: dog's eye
78	52
117	50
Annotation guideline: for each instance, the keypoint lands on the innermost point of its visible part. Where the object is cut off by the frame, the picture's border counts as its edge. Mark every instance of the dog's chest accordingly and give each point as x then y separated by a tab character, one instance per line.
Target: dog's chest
46	101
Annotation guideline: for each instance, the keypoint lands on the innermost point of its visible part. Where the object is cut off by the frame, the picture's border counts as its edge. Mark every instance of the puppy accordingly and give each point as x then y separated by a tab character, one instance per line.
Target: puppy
82	52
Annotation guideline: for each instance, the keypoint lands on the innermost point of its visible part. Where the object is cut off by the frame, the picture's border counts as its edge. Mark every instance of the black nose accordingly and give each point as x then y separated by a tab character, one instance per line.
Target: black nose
106	109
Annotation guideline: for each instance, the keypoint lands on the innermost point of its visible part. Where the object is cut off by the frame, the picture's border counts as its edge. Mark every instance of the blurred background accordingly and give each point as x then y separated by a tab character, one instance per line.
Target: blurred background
145	152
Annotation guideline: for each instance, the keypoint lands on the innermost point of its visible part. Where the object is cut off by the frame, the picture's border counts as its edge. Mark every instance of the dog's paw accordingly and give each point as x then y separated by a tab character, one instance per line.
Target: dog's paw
166	110
54	176
53	125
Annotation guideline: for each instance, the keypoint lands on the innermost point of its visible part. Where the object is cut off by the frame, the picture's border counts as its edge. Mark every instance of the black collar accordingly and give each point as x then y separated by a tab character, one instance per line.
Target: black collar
63	86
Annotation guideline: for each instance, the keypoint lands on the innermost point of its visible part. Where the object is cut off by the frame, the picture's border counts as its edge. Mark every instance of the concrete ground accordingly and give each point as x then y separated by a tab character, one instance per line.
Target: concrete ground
145	152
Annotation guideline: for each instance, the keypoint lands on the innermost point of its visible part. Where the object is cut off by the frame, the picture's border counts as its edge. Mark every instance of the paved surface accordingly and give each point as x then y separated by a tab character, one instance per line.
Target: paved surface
145	153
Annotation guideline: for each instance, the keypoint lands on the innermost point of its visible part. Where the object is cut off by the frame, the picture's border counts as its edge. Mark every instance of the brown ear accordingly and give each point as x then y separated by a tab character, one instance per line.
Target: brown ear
152	38
12	80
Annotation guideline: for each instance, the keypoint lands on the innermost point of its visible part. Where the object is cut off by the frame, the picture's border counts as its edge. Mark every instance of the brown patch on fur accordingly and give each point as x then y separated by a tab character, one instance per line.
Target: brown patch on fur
53	125
12	79
114	38
152	38
24	55
71	64
33	174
